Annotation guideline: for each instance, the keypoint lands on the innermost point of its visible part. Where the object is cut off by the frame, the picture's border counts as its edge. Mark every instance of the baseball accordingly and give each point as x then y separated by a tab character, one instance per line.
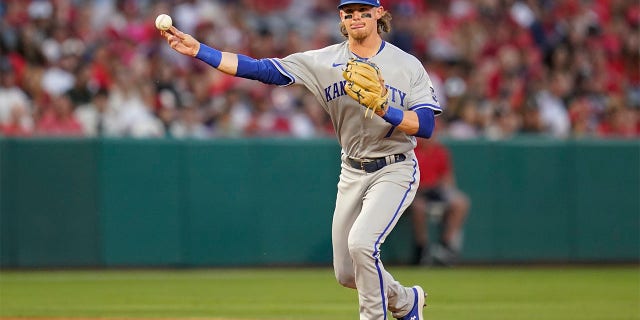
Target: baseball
163	22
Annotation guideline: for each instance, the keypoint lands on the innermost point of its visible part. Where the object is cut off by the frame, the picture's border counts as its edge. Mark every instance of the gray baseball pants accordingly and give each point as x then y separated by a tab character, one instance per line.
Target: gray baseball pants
368	206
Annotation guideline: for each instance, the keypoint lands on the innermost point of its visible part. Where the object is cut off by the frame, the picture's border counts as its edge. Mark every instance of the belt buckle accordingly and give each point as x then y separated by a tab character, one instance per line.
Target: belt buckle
363	162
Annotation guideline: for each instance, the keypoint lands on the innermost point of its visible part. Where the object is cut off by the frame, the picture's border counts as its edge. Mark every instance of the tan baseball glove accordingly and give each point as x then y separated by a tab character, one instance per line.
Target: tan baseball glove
366	85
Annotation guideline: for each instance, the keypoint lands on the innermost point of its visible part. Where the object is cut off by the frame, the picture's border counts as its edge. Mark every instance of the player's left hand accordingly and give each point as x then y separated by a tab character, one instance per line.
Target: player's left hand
366	85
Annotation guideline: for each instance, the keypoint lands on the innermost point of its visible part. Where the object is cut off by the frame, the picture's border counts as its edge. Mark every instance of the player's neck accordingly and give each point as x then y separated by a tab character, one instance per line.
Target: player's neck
367	47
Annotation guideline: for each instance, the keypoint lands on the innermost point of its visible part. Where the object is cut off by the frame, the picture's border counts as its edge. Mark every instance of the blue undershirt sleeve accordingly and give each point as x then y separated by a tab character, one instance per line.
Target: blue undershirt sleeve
262	70
426	121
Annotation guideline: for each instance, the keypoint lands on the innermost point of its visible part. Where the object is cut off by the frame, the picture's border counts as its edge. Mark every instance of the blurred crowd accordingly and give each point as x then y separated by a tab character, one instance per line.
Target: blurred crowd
501	68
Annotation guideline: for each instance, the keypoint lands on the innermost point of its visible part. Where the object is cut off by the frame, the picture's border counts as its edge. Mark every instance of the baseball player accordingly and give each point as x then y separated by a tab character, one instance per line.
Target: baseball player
376	120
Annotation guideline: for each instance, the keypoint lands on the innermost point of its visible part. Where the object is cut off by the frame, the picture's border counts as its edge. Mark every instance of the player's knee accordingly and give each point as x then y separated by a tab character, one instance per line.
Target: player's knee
346	279
461	203
464	203
360	250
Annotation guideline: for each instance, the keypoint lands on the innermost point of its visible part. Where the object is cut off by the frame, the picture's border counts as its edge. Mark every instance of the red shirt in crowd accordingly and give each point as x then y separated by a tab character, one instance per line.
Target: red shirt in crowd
434	161
13	130
52	125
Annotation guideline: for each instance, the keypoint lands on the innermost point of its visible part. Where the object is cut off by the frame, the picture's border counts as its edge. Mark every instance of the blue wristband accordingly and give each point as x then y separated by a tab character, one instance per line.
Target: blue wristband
209	55
393	116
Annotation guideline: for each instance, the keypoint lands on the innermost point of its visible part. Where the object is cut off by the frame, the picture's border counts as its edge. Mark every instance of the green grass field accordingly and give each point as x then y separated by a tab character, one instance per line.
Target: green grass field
462	293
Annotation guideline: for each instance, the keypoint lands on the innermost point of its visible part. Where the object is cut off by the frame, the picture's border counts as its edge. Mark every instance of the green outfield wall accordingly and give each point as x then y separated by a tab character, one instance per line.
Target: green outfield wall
158	203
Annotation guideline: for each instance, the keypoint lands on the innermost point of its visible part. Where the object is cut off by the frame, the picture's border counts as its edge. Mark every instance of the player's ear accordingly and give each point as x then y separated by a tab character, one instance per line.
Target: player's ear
379	12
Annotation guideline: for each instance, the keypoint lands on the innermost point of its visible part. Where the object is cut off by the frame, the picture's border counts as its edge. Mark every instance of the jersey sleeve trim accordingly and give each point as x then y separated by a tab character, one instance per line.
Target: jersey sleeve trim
436	109
284	72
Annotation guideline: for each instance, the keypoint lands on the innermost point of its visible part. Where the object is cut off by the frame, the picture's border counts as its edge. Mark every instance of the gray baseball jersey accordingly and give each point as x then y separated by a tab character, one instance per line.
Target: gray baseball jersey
368	205
410	88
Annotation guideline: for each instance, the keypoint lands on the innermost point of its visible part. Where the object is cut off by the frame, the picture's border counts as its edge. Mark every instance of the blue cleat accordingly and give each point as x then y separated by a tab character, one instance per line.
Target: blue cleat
419	302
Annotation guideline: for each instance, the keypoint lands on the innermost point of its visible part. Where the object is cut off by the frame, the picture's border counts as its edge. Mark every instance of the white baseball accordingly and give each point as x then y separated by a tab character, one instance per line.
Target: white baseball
163	22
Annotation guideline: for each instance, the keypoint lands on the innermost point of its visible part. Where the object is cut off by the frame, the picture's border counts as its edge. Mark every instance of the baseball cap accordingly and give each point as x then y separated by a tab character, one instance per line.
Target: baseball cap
375	3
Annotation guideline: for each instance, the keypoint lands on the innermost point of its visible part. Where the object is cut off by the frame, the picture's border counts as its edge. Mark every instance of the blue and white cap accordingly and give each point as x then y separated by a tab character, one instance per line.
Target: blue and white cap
375	3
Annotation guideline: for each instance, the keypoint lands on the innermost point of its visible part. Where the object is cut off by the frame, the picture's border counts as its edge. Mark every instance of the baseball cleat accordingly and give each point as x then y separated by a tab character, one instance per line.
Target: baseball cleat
419	303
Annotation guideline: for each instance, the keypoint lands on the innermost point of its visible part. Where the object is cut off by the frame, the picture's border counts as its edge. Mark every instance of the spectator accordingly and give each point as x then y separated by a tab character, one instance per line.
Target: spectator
504	124
19	124
620	122
532	122
83	89
97	118
189	125
310	120
60	78
232	115
131	100
267	121
59	120
437	185
571	57
12	97
464	125
551	104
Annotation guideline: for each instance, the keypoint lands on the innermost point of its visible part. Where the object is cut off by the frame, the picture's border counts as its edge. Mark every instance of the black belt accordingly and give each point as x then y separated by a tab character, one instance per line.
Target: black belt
373	165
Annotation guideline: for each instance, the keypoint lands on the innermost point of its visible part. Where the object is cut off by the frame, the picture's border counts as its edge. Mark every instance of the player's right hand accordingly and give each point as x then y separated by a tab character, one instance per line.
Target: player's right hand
181	42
